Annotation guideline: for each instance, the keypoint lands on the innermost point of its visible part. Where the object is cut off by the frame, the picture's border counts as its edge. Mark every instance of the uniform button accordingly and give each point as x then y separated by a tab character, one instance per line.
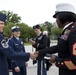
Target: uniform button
62	63
12	60
58	62
72	26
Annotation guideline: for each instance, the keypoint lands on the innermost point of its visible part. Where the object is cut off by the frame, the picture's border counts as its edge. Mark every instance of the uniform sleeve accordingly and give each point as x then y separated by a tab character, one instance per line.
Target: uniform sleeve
23	46
11	44
35	45
48	42
6	50
49	50
69	62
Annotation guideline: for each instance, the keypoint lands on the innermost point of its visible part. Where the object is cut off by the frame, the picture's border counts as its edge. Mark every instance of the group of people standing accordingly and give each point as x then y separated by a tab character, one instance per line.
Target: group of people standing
66	47
16	43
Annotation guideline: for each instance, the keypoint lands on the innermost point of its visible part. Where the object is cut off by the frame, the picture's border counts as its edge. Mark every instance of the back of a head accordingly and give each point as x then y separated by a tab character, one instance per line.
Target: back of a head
45	32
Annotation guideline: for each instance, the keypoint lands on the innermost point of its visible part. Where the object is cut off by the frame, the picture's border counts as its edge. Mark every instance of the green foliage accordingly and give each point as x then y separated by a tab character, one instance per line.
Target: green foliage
55	31
11	17
26	31
47	26
7	29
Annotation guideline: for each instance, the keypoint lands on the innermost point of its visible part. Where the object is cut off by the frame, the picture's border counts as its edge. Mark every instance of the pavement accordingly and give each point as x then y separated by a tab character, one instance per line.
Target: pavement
32	69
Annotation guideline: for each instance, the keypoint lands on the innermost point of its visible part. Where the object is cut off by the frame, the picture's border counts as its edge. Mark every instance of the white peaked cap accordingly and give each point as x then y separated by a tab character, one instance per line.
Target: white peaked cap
64	7
14	27
45	32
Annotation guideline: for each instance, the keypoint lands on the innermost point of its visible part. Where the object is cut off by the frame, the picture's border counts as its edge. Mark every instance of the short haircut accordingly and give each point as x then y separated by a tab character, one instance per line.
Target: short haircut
36	27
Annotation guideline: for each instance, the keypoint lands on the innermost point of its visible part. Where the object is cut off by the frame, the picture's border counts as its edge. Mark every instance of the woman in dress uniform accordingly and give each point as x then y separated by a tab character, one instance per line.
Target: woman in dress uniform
66	47
16	43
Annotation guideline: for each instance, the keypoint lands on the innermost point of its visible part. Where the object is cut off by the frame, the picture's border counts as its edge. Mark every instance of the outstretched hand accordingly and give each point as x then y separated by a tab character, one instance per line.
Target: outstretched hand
33	55
52	58
32	41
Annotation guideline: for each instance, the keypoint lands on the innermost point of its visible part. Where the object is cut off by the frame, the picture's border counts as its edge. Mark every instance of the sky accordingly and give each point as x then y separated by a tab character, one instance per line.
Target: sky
33	12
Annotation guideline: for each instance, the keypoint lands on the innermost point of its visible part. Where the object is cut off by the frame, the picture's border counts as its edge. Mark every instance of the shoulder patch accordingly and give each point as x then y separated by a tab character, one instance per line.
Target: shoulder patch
4	44
65	35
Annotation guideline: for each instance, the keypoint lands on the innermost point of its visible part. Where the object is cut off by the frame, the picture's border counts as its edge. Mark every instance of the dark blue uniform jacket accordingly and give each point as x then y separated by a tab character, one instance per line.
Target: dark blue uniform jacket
18	46
6	51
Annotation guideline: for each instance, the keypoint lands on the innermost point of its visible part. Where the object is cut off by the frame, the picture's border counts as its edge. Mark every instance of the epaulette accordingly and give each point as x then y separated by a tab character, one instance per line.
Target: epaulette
67	31
72	26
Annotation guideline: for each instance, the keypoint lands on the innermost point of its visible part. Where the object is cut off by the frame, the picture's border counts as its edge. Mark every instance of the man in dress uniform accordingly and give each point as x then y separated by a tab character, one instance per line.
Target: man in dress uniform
39	43
66	47
16	43
6	51
48	64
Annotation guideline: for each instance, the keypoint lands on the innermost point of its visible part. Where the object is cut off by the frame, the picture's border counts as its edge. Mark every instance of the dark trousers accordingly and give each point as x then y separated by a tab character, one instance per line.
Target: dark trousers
41	70
48	65
63	71
22	71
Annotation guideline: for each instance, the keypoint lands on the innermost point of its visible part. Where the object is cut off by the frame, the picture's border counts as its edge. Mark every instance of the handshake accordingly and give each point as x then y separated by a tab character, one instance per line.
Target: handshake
33	55
51	58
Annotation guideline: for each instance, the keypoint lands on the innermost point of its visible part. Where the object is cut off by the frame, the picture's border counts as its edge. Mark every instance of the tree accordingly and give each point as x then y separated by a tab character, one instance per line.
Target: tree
7	29
55	31
47	25
11	17
26	31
